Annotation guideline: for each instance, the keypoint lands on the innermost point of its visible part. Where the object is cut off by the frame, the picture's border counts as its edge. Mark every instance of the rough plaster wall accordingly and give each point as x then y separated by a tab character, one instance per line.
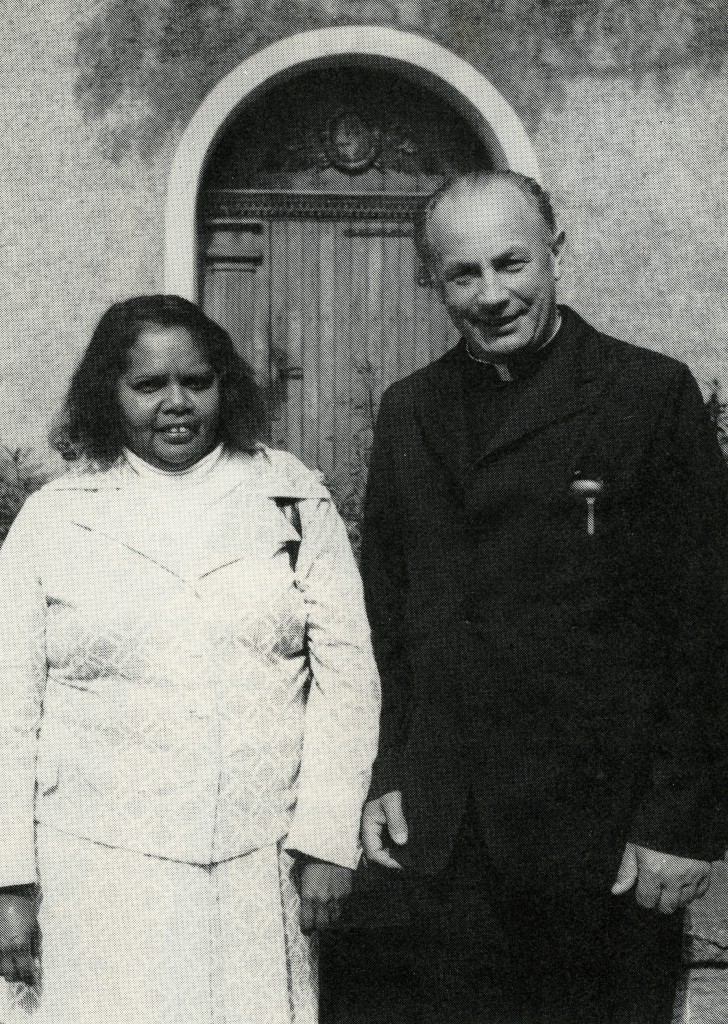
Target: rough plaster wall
635	181
76	232
639	185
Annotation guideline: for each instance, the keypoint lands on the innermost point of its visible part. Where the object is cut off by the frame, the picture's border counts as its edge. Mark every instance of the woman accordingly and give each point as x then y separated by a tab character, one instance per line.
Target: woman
190	699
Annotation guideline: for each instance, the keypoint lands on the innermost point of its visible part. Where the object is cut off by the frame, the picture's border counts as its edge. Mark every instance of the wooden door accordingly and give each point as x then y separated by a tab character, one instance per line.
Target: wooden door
236	288
329	310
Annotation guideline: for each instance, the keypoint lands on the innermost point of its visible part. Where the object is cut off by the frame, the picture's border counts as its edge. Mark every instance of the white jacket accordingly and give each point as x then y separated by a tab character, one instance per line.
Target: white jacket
157	692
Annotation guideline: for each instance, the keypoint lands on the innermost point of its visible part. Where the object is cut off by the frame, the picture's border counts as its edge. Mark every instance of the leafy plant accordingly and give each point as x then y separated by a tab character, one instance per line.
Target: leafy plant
718	412
19	477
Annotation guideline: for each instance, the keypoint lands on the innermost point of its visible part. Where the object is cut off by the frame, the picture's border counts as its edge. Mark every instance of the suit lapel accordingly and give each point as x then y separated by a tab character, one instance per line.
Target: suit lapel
566	383
573	378
439	409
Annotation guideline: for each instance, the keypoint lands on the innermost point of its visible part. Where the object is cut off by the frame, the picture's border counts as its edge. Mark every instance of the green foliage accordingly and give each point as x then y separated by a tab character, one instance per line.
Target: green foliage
144	65
718	412
19	477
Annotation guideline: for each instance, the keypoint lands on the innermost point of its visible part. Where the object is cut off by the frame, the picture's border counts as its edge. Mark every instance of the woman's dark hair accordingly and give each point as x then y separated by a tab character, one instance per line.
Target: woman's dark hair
90	424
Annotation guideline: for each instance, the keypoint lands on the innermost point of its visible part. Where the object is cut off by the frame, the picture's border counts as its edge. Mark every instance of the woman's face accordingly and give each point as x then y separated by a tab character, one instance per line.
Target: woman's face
169	399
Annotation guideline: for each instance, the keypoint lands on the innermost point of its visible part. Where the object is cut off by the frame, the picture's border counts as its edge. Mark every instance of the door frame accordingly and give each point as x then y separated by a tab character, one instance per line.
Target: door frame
406	53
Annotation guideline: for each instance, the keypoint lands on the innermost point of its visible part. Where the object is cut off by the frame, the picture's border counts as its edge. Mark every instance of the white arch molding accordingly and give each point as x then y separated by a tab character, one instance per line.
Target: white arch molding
405	53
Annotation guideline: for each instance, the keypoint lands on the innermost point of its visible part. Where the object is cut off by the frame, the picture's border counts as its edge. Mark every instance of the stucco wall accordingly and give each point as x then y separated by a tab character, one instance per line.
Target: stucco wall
639	184
635	182
76	231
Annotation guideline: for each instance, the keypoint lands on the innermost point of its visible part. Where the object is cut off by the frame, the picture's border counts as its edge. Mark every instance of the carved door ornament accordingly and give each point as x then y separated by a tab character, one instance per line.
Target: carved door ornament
350	144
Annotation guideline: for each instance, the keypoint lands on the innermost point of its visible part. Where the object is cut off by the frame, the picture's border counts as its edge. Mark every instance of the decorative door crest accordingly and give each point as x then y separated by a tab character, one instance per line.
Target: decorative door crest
350	143
232	206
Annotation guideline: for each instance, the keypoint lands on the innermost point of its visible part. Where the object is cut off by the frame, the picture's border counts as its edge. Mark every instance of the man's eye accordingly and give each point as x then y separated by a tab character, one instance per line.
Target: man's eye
147	386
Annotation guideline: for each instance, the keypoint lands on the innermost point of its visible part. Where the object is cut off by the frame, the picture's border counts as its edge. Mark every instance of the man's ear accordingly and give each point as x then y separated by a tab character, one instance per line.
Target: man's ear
437	284
557	246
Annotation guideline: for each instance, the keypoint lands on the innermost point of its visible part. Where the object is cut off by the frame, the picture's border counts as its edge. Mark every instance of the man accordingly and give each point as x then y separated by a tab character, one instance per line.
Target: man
544	559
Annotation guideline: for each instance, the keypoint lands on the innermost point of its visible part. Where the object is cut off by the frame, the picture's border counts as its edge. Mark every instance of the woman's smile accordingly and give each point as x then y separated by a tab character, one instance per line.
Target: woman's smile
178	434
169	399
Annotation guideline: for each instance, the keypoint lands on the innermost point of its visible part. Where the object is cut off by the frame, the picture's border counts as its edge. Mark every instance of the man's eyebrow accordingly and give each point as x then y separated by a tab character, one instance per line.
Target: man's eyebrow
517	252
453	269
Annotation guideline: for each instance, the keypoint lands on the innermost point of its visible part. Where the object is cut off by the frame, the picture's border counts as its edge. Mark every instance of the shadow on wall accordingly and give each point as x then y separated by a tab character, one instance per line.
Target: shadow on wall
143	69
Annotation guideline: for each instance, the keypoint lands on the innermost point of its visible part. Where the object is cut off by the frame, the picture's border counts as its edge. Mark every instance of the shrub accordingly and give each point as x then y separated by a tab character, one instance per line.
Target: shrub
19	477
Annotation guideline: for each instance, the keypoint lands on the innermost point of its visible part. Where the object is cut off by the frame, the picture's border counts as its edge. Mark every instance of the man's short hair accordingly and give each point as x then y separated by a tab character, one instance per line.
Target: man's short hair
474	181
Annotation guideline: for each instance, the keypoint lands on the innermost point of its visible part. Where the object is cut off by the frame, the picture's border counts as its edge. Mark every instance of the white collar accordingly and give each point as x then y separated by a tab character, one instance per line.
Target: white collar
191	476
504	374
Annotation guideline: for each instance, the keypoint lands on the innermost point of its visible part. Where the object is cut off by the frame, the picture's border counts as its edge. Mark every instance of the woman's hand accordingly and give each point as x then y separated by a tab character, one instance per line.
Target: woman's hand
324	887
18	933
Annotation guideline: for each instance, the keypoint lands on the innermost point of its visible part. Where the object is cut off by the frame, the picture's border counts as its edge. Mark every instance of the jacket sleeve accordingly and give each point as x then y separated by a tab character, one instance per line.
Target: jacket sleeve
22	678
685	551
342	711
386	586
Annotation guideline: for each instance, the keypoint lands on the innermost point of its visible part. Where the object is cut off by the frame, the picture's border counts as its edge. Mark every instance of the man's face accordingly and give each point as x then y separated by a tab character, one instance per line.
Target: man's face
496	266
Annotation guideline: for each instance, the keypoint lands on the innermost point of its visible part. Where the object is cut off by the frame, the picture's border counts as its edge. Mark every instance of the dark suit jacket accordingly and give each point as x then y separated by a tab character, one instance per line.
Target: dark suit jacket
571	683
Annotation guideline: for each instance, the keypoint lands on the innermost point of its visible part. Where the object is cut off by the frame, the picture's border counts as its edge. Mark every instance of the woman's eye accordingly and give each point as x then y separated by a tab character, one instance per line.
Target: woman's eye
201	383
147	387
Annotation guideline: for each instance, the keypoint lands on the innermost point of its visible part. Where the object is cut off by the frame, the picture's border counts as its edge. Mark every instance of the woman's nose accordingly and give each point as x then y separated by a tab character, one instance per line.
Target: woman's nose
176	397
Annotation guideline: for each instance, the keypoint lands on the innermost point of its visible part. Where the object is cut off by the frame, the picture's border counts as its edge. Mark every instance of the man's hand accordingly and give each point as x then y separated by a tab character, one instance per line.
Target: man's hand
383	815
664	882
18	933
324	887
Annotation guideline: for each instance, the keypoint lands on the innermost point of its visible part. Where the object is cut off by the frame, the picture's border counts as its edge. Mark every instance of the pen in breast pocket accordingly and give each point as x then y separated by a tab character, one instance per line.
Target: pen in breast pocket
587	491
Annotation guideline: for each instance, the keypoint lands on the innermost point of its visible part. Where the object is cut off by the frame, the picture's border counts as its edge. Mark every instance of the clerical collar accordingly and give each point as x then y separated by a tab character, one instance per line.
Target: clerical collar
520	366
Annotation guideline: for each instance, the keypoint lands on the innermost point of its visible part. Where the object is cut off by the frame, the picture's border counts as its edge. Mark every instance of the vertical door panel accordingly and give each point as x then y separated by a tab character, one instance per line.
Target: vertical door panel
327	323
342	379
329	313
236	290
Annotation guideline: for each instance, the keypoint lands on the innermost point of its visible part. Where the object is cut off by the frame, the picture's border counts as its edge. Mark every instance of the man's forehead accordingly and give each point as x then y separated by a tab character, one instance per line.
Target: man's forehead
493	206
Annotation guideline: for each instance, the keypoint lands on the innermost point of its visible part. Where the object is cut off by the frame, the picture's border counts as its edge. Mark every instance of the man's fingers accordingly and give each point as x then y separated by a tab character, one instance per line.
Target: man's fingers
371	838
627	874
384	859
648	890
702	887
670	900
383	816
396	823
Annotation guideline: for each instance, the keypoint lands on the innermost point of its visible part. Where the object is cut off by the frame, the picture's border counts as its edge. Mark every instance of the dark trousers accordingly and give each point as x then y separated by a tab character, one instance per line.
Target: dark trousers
475	953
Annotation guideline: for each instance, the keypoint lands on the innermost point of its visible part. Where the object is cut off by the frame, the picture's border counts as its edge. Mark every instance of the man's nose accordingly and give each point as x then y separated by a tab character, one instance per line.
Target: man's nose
491	292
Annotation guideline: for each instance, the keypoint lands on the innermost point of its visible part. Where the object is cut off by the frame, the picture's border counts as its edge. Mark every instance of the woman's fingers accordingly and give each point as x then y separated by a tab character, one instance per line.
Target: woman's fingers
7	966
25	968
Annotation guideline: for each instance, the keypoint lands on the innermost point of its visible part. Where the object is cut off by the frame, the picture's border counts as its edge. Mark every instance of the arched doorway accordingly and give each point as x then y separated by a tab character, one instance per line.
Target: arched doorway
290	214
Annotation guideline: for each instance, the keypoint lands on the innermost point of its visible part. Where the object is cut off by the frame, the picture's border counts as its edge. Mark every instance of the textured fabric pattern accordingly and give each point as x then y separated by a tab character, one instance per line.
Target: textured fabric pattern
130	938
195	697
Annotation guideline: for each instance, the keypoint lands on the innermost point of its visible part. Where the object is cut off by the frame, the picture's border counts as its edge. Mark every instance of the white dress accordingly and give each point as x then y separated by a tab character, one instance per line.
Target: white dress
186	739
